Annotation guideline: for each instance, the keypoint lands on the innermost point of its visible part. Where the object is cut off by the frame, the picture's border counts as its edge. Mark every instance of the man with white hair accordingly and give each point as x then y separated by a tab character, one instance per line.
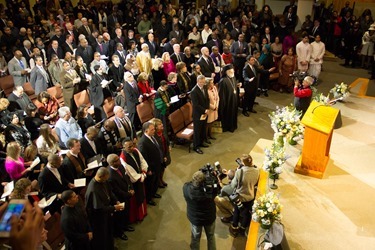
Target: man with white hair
124	126
67	127
27	50
144	59
177	55
85	28
132	95
55	49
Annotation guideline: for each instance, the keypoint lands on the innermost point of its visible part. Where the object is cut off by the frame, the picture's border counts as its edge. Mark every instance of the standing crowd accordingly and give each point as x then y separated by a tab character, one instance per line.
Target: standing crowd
135	53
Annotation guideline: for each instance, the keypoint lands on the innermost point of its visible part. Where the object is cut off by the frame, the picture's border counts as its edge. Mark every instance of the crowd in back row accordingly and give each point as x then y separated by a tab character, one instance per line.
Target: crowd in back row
133	55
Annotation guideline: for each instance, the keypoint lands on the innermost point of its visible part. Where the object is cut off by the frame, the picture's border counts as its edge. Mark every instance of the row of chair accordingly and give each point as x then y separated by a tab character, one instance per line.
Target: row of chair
182	123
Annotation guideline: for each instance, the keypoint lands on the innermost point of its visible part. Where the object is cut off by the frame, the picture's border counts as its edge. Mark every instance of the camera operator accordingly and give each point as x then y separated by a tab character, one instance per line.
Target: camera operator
225	207
244	182
201	210
302	94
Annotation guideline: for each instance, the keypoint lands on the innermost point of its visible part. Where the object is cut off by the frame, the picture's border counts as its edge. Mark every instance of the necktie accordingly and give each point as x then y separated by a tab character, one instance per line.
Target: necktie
178	58
88	30
119	172
101	48
157	144
126	125
252	68
28	52
241	47
22	65
204	94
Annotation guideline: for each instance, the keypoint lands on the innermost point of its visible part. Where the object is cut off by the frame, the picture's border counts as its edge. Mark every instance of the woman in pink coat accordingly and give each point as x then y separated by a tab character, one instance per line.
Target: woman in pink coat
212	114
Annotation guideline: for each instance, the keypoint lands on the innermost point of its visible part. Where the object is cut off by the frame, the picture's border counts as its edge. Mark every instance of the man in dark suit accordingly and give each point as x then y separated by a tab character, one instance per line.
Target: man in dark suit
121	53
206	63
19	99
124	127
96	87
291	5
102	47
200	101
315	30
27	50
59	35
68	45
74	163
85	51
119	38
215	42
153	155
239	51
152	45
55	49
50	180
123	190
110	43
90	145
250	85
176	33
70	30
132	95
177	55
116	73
85	29
112	20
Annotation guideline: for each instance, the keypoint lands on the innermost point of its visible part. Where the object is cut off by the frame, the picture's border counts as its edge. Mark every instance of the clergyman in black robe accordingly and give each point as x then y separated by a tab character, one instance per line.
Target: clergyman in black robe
101	203
228	94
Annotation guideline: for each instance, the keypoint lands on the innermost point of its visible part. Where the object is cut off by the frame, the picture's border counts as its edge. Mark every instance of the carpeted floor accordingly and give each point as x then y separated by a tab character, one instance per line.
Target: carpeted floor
335	212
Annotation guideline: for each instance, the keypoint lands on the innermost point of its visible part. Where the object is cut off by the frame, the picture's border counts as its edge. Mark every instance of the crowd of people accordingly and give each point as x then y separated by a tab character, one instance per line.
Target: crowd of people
217	59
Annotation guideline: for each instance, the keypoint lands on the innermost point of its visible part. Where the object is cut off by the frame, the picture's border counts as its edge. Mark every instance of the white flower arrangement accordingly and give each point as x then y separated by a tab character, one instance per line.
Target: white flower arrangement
286	123
322	99
275	157
340	90
266	210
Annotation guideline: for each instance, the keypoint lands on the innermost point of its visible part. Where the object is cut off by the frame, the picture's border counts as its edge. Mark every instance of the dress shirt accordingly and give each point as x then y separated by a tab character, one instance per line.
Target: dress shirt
55	172
92	144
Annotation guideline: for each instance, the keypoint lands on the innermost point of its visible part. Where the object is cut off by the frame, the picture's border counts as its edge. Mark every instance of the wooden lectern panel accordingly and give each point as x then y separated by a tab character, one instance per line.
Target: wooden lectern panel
319	121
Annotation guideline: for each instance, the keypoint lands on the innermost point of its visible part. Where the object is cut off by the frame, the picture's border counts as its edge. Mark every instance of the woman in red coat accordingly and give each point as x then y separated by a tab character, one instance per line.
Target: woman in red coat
144	87
47	107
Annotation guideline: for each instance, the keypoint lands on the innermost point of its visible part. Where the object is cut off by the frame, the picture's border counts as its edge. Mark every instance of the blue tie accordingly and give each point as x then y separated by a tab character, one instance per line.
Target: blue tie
22	65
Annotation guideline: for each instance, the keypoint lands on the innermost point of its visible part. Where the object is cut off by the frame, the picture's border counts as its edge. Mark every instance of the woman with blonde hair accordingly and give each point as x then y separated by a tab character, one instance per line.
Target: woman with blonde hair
212	115
168	64
29	155
4	112
14	163
144	87
21	189
47	143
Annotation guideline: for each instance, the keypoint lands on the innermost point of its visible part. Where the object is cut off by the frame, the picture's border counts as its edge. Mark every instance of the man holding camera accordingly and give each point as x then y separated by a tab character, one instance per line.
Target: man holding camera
201	211
244	182
224	206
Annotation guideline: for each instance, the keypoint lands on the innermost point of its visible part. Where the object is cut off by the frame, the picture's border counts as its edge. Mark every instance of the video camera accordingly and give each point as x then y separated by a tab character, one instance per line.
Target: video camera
300	76
213	174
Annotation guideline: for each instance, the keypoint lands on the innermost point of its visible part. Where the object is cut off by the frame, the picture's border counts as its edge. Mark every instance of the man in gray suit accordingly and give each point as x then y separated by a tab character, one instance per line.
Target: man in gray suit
17	68
55	67
39	78
69	78
239	51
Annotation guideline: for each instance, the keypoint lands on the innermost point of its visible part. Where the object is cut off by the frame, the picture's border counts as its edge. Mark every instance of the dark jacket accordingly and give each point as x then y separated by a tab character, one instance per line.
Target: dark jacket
201	209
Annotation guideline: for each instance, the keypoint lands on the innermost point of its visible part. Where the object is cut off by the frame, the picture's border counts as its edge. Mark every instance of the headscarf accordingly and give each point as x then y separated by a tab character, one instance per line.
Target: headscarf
263	56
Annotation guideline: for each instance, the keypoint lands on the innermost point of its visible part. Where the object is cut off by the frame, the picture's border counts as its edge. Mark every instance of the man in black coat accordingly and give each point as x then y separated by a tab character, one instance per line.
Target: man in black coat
55	49
152	45
123	190
201	210
132	95
177	55
250	77
153	155
90	145
116	73
85	51
74	223
74	163
206	63
68	45
96	87
200	101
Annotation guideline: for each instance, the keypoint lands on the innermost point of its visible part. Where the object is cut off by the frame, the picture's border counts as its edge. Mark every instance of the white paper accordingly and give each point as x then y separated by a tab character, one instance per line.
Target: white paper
35	162
91	108
217	69
88	77
103	57
122	204
92	165
187	131
252	79
242	90
76	80
8	189
174	99
74	51
28	70
45	203
80	182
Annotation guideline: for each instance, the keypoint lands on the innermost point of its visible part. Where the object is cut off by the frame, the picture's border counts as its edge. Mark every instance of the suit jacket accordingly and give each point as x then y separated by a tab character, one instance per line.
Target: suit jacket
69	167
111	22
121	184
212	43
151	153
168	48
39	80
66	48
103	50
25	54
132	133
206	68
55	72
247	74
60	39
200	102
88	151
50	51
66	81
122	59
21	102
96	90
82	30
87	54
131	97
179	36
235	49
153	48
49	184
117	75
121	40
15	69
174	57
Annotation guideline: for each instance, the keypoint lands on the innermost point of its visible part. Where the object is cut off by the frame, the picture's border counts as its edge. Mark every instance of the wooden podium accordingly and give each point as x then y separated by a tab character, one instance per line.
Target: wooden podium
319	121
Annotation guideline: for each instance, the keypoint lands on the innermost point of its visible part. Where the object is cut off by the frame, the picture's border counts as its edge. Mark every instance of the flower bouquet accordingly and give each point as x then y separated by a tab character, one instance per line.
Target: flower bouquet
274	158
286	124
322	99
341	90
266	210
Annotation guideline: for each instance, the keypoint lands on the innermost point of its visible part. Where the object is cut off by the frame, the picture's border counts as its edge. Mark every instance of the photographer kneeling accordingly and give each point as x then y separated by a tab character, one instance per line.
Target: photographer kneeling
201	210
302	94
244	182
223	204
